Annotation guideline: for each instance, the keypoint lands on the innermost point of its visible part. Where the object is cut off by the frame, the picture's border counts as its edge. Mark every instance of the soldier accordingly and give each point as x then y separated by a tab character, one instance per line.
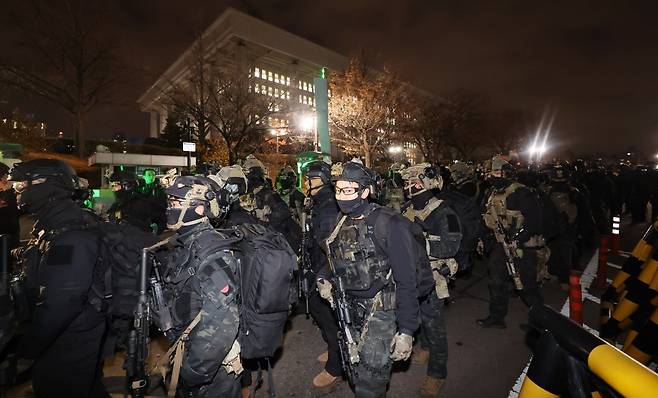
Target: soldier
372	255
150	188
442	230
571	207
514	216
65	335
233	182
130	206
201	291
320	218
266	205
464	181
393	187
286	186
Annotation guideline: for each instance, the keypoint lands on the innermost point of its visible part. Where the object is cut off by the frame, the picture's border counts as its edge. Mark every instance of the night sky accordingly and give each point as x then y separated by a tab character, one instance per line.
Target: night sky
595	63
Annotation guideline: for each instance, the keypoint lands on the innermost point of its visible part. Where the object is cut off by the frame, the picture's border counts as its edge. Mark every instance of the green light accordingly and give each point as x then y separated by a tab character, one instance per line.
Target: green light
121	167
323	72
96	193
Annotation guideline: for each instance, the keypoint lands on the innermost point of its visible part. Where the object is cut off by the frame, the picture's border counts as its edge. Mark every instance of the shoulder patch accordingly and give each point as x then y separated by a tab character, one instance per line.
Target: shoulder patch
60	255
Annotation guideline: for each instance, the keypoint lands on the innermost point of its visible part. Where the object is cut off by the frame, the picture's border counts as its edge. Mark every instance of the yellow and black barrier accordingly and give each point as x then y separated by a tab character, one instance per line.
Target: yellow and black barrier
639	291
617	370
633	267
644	344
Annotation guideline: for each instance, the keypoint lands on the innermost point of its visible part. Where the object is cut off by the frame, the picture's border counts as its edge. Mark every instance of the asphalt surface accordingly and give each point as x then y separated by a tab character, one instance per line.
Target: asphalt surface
482	362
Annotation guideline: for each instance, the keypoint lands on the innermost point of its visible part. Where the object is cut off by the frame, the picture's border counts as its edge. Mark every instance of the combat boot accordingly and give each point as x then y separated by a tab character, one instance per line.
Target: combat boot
420	357
323	379
490	322
431	387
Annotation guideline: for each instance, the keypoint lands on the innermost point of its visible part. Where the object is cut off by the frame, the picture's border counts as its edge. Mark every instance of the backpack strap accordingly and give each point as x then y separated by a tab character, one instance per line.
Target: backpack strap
432	205
177	350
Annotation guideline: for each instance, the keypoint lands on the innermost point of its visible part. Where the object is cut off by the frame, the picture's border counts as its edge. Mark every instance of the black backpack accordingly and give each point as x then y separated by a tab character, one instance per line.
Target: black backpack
116	275
267	289
551	225
469	215
380	218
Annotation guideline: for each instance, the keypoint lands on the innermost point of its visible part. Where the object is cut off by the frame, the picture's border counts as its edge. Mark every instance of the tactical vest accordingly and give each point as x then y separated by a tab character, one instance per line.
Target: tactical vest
496	209
562	202
358	258
433	244
205	264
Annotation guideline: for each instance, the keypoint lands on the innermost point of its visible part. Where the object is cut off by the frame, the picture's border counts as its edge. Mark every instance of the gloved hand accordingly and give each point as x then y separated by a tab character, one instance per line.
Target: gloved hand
401	346
324	288
519	252
479	248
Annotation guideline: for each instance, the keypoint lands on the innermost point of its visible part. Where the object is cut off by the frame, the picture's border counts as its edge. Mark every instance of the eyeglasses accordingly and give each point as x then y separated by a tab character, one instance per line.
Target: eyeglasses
346	191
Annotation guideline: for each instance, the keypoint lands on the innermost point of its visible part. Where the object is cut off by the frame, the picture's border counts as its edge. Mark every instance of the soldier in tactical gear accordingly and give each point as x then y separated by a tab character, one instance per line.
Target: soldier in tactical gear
65	333
266	205
130	206
201	290
442	230
233	184
321	215
373	253
153	192
571	206
464	181
394	187
286	186
515	209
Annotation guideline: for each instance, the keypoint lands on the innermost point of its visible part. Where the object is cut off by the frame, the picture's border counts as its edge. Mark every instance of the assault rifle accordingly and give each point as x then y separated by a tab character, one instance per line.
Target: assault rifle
304	262
150	298
509	246
349	353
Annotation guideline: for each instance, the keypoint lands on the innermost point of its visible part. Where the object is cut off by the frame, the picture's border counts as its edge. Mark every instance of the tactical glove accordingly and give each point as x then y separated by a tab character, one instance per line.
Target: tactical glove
324	288
401	346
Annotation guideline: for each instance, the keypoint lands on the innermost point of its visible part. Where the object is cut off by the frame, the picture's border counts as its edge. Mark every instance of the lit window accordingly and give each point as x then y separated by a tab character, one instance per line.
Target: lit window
300	98
257	88
311	88
304	86
287	81
257	72
269	91
299	83
276	92
287	95
276	78
263	89
269	76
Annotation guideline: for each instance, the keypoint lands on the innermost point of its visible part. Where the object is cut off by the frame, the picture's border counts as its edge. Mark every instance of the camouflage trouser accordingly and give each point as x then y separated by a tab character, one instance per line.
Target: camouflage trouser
374	368
432	336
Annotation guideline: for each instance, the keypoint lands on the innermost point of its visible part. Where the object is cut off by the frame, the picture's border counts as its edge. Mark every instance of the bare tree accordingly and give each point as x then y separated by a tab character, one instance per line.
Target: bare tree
23	130
219	96
67	59
463	124
363	109
422	124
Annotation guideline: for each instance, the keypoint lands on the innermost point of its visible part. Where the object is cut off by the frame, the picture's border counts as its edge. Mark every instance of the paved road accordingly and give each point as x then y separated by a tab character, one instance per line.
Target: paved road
482	362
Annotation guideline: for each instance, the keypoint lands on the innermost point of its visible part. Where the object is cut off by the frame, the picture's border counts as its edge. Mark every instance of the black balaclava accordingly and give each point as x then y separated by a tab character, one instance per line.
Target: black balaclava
35	198
419	201
353	207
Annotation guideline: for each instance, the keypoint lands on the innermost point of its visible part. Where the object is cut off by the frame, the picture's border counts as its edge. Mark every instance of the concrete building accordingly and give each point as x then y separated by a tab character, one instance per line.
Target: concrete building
281	65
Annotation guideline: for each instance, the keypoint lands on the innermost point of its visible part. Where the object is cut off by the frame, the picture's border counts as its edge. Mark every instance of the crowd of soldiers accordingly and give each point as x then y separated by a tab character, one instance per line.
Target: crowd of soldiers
377	256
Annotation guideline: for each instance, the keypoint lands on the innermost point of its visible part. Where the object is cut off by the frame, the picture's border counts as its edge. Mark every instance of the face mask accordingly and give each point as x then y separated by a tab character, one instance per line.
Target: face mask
352	207
35	197
179	217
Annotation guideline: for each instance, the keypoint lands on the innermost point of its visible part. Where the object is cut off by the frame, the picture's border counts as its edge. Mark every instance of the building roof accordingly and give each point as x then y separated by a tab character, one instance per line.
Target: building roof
235	24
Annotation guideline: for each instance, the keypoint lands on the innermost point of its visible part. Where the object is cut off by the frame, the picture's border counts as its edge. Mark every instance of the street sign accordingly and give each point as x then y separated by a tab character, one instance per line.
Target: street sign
189	147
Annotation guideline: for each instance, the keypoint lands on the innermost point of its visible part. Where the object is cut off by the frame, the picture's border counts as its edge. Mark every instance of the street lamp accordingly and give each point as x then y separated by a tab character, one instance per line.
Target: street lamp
395	149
